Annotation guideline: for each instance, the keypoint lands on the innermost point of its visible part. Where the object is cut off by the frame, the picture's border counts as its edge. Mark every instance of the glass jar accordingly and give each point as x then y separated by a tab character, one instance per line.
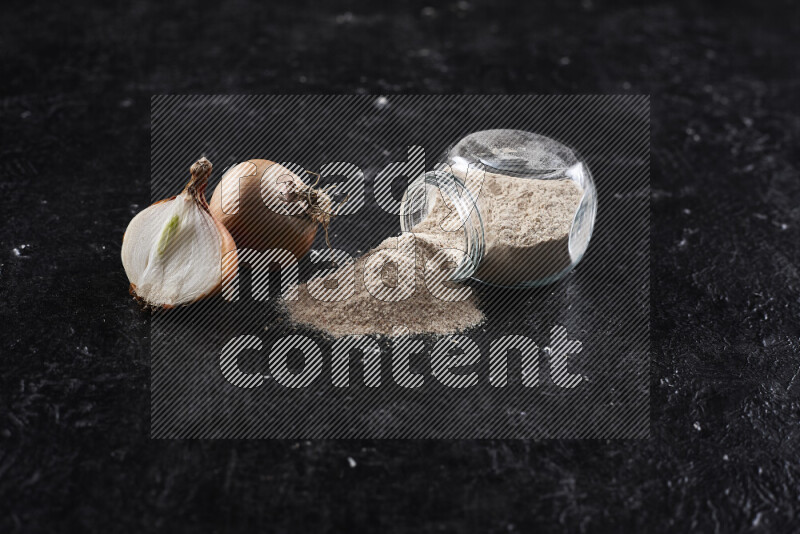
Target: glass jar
525	205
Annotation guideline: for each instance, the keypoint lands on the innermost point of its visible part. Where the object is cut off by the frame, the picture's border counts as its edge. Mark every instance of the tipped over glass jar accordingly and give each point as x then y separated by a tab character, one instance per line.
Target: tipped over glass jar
518	206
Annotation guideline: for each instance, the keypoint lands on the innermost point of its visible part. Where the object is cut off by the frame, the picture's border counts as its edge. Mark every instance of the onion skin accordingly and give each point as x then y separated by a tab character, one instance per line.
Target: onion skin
256	226
230	262
196	187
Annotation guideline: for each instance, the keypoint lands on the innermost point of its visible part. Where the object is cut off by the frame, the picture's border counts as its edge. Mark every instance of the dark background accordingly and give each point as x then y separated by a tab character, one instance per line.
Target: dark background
74	165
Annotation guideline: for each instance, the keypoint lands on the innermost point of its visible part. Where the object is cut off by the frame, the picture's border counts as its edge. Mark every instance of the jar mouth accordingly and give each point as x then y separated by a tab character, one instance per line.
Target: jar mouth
419	198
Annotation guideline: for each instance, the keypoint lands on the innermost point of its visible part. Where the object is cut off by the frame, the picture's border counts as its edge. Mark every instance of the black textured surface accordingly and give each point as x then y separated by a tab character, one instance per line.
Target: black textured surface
74	163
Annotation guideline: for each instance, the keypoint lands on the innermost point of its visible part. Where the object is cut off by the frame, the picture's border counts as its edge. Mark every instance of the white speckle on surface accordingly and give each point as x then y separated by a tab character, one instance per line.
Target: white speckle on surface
351	462
381	102
25	114
564	61
345	18
725	457
428	12
20	250
697	426
687	211
128	102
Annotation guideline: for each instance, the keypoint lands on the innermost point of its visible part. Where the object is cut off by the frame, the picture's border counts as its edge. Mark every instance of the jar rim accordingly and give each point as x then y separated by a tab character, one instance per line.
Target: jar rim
465	204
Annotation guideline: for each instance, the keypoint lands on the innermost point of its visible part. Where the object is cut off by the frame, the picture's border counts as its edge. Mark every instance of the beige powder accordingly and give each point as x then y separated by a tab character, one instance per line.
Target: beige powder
526	231
526	228
363	313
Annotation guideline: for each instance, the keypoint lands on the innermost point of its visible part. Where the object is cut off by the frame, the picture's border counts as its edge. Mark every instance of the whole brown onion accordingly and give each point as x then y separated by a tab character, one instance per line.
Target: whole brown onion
266	206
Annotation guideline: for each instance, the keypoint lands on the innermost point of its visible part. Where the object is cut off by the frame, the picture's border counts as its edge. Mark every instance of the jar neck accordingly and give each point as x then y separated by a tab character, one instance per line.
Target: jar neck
418	200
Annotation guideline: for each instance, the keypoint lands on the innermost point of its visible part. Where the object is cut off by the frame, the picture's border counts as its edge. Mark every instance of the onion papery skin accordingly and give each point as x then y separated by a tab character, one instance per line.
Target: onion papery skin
269	214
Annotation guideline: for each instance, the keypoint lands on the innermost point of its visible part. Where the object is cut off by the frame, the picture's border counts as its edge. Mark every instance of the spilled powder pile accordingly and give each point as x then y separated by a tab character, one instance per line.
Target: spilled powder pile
363	313
526	231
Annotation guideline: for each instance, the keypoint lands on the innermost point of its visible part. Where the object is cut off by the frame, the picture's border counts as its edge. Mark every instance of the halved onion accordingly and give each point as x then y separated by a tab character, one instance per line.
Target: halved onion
175	252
